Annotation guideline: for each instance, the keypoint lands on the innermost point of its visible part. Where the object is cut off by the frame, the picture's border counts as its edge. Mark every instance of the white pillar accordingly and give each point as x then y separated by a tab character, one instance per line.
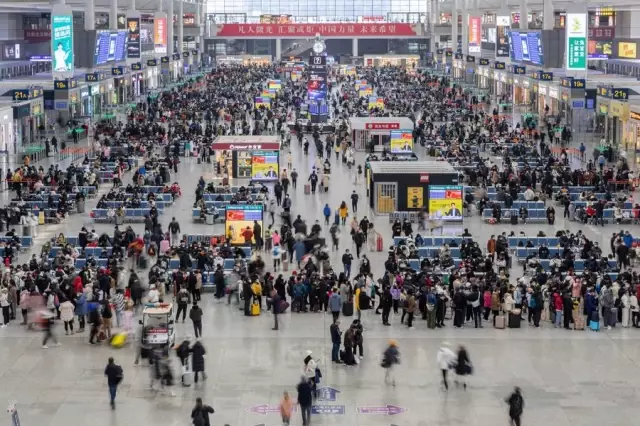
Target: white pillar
90	16
278	50
354	47
548	20
113	15
454	26
170	28
524	15
180	19
465	27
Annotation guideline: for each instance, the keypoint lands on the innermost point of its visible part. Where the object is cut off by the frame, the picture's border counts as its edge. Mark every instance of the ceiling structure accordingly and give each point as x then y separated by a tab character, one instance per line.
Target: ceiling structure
26	6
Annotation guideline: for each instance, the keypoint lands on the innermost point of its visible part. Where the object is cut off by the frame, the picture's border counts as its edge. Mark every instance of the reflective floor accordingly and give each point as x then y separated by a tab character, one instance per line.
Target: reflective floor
567	377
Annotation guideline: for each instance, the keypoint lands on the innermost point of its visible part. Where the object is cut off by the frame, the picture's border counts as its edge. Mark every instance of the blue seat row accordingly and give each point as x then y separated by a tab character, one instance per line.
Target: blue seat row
205	238
160	205
89	251
132	214
220	205
225	197
608	216
24	241
431	252
536	241
578	264
628	205
571	189
433	241
415	263
535	215
521	203
85	189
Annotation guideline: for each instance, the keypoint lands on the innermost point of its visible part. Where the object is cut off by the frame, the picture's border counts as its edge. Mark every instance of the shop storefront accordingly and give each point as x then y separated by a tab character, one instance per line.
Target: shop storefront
377	131
482	74
176	67
458	70
249	157
619	115
186	63
518	94
137	83
152	73
633	134
7	134
409	62
166	76
470	71
86	106
22	123
37	113
572	104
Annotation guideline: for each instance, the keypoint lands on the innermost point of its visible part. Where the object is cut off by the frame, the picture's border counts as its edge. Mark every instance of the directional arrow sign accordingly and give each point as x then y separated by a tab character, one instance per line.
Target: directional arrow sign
388	409
327	409
327	394
264	409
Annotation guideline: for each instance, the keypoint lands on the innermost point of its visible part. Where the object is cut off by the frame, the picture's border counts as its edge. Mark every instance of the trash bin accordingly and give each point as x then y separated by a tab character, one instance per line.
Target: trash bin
209	218
80	206
119	220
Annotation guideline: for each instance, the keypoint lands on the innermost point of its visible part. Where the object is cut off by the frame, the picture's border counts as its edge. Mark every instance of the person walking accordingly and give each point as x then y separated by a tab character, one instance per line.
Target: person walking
445	359
183	298
463	367
66	315
347	259
195	315
516	406
197	360
336	337
335	303
286	408
174	230
276	303
354	201
47	326
114	375
305	399
390	357
200	413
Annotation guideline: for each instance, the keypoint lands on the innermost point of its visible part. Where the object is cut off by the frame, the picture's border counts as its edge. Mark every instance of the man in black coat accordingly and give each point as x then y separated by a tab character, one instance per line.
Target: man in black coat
336	336
305	399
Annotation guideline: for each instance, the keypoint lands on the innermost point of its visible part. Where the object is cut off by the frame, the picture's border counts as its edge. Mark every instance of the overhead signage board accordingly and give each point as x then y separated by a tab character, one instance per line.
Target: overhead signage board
576	43
133	41
475	34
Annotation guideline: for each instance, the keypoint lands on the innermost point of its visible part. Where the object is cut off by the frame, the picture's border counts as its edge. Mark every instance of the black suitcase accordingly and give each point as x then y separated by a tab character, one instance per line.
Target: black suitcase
514	320
514	219
347	309
143	262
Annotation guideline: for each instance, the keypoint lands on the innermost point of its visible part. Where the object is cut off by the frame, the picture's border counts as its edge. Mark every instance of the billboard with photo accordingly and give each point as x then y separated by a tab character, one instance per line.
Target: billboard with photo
445	202
264	165
62	42
237	217
401	141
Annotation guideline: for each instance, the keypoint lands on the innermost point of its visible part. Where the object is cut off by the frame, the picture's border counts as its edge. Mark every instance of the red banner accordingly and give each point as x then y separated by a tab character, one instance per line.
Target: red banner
311	30
382	126
37	35
246	146
475	34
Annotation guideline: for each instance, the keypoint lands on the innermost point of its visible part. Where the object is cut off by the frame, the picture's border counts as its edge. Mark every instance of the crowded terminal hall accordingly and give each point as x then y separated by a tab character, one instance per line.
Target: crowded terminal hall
320	205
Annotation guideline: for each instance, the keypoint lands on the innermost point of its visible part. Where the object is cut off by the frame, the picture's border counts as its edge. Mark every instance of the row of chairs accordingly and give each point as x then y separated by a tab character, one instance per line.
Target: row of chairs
131	215
536	241
160	205
202	238
225	197
433	241
571	189
529	205
535	215
85	189
627	205
608	216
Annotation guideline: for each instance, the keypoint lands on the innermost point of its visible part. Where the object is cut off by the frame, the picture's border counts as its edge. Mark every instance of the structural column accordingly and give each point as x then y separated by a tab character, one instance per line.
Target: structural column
170	28
113	15
278	49
454	26
180	20
524	15
465	27
355	47
548	20
90	16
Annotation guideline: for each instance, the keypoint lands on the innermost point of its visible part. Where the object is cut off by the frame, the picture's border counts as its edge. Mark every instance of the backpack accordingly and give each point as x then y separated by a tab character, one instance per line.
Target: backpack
119	375
184	298
532	302
198	418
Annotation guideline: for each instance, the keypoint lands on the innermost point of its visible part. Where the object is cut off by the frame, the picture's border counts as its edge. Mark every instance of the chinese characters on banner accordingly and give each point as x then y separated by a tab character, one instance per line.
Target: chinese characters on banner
310	30
37	35
160	32
475	34
62	42
602	33
576	41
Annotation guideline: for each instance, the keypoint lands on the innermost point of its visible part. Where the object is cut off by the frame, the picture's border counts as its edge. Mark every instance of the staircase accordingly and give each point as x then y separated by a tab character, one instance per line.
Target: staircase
302	47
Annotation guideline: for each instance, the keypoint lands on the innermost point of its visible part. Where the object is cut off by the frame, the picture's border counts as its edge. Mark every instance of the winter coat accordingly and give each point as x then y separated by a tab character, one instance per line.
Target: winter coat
335	302
197	356
81	305
66	311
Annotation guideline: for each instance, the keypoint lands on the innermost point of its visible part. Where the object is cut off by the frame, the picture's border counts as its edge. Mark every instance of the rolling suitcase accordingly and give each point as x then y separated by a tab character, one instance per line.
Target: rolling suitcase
285	263
431	317
578	322
255	309
514	219
187	376
379	243
347	309
143	262
514	318
164	246
500	322
307	188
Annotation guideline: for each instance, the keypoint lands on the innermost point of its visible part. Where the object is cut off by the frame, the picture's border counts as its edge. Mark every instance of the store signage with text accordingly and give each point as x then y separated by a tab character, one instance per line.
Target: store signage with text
576	46
475	34
382	126
634	115
311	30
424	178
239	146
484	62
628	50
37	35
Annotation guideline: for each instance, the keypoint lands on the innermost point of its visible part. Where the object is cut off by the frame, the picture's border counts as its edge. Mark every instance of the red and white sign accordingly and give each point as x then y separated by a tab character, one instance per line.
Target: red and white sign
371	30
37	35
265	146
424	178
475	34
382	126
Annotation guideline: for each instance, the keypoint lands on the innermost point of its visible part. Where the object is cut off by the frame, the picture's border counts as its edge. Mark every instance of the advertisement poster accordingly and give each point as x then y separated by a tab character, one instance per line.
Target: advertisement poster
296	75
445	202
627	50
262	102
237	218
401	142
375	102
415	197
360	83
599	49
274	84
475	34
576	27
264	166
62	45
133	43
268	93
365	91
160	33
502	40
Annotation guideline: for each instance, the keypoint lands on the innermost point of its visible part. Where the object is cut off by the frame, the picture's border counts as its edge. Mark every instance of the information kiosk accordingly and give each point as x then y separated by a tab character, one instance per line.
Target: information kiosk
379	133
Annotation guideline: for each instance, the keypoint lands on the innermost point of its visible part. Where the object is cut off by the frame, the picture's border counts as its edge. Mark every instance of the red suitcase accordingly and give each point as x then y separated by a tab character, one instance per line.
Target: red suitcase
379	243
